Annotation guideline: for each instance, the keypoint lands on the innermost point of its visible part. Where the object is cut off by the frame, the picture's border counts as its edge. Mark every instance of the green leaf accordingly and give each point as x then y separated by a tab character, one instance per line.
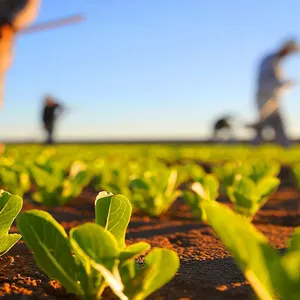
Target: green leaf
113	212
10	207
94	246
45	179
112	279
211	185
164	264
244	186
49	243
94	242
267	186
248	246
8	241
139	183
159	268
133	251
294	242
249	197
206	187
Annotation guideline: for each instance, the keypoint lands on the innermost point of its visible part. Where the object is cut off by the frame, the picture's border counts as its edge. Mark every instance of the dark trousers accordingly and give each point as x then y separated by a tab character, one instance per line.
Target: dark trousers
274	121
49	127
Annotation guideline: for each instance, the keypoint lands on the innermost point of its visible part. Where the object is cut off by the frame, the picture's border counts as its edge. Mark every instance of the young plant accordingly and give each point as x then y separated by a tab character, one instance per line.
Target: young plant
261	169
94	256
227	172
112	178
155	192
10	207
205	189
248	197
53	188
271	275
190	172
15	179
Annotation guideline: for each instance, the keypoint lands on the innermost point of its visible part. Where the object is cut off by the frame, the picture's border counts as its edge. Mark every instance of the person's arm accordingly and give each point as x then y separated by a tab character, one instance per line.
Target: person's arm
280	83
59	109
26	15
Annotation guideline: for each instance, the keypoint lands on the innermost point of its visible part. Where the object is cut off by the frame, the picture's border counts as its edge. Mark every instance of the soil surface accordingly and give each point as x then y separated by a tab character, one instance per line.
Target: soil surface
206	269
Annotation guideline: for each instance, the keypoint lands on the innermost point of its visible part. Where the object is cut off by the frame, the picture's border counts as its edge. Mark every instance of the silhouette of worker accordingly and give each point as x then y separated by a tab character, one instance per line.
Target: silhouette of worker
222	128
271	85
50	113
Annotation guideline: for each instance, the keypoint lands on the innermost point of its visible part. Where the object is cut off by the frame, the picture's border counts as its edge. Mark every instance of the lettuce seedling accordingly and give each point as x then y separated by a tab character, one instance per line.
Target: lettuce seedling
95	256
248	197
10	206
271	275
15	179
256	170
205	189
263	169
190	172
55	189
227	172
154	193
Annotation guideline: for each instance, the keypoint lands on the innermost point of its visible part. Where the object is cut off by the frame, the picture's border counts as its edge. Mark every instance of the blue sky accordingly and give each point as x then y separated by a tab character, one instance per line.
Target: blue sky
151	68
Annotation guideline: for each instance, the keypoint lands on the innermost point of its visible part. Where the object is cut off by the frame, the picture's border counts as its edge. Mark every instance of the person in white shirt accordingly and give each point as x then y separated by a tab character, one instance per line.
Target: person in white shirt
270	86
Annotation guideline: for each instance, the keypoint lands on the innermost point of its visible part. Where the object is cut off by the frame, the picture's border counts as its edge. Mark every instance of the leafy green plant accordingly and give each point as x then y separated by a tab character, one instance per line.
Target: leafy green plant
248	197
205	189
155	192
256	170
15	179
261	169
10	207
227	172
53	188
271	275
112	177
190	172
94	256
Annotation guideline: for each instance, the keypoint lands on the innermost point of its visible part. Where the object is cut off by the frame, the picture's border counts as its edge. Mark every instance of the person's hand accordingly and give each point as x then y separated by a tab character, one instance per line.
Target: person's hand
286	86
291	83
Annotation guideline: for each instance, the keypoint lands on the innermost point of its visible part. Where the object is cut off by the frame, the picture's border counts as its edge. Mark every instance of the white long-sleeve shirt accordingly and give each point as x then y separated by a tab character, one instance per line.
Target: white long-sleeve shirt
270	78
270	83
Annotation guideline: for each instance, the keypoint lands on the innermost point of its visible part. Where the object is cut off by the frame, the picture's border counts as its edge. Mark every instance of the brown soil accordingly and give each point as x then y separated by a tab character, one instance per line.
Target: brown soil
206	272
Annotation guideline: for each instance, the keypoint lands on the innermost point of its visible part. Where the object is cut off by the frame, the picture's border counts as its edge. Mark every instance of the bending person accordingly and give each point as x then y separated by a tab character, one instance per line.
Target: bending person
271	85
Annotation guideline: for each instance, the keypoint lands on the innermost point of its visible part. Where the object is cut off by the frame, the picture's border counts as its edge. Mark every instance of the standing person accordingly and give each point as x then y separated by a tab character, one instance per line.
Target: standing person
271	84
50	112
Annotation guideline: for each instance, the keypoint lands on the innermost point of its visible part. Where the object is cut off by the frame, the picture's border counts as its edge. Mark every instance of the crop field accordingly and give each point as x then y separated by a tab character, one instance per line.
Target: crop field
150	222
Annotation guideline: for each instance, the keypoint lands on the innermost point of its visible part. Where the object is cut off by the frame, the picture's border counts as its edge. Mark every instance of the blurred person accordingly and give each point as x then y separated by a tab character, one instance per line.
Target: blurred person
52	109
222	128
15	15
271	85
